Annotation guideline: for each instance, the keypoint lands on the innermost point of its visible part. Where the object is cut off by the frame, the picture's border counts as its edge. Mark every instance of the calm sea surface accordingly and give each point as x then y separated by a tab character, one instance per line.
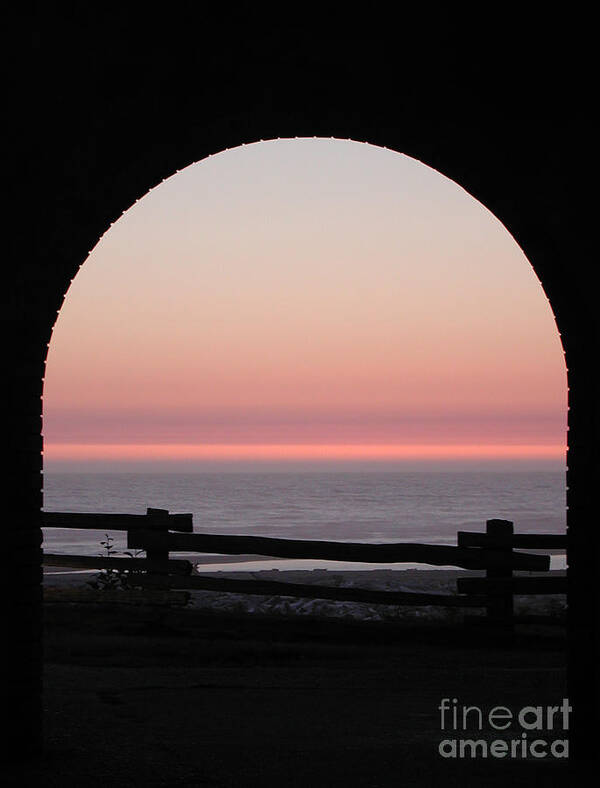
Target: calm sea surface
341	506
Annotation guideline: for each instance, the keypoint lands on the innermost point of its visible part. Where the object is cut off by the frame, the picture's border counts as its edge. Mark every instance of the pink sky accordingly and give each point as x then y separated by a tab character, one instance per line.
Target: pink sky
305	299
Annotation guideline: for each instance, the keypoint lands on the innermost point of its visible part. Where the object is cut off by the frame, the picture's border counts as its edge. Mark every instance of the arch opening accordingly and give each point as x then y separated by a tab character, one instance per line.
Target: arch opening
304	346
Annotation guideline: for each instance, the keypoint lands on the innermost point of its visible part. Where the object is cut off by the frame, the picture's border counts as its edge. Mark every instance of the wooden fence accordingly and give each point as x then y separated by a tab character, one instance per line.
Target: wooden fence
159	533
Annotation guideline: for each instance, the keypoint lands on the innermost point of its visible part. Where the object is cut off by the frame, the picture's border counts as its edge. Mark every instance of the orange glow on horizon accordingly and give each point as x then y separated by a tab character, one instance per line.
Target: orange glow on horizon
283	452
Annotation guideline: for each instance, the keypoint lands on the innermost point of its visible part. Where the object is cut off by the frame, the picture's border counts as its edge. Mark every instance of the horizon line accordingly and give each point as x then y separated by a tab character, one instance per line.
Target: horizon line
223	453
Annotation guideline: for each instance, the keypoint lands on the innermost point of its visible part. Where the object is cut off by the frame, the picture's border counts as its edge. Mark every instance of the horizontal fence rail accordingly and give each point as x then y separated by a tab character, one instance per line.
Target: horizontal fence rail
521	541
311	591
171	566
408	552
158	533
154	519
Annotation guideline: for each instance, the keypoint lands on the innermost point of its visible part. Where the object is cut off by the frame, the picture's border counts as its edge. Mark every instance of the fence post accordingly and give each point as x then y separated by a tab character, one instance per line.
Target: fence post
158	553
500	606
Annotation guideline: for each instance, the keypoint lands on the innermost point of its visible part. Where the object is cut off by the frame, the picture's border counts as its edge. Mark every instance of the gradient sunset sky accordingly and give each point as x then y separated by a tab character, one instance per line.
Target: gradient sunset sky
310	300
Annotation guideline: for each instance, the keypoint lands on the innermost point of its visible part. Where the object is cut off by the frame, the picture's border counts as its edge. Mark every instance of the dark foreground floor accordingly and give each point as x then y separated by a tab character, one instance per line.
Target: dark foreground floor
151	697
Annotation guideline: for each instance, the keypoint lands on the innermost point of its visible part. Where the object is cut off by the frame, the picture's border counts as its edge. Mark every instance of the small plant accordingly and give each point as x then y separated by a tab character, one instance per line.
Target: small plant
110	579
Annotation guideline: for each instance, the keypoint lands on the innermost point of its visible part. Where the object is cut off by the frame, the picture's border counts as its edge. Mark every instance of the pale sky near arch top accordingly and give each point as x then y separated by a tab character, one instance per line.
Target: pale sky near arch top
304	299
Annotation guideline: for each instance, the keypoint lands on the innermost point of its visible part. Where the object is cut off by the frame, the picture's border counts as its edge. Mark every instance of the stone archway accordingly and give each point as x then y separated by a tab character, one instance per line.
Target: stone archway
85	175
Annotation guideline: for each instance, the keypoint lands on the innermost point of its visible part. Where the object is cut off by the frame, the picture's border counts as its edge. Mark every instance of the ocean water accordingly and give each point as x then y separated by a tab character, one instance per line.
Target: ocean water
365	506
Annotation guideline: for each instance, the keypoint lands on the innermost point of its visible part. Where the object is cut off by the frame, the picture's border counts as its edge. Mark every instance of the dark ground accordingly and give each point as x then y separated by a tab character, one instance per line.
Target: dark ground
160	697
